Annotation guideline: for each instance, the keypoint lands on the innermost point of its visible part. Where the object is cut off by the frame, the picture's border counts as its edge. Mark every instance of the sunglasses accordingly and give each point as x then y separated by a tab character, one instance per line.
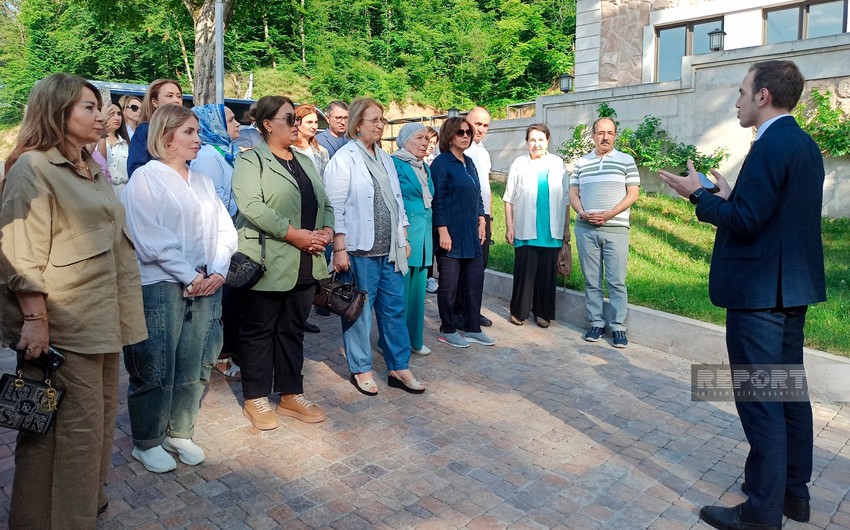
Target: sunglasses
290	119
464	132
134	108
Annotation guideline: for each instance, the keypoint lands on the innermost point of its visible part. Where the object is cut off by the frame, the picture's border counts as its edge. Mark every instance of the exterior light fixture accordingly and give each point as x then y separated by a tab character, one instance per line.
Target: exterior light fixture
565	82
715	42
454	112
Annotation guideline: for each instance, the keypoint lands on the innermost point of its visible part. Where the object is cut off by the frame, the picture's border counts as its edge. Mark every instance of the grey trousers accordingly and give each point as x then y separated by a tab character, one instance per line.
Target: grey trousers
607	253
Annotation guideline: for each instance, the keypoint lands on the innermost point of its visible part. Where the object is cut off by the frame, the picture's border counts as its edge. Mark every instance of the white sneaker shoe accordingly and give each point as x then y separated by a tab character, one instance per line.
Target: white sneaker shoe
431	285
155	459
424	350
186	449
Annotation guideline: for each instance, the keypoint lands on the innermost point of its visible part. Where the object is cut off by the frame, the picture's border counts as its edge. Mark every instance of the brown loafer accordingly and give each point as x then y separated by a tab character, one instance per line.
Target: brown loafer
542	322
516	322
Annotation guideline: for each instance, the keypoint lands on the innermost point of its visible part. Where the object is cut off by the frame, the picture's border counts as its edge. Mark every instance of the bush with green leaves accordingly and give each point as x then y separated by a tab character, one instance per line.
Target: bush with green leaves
649	144
828	125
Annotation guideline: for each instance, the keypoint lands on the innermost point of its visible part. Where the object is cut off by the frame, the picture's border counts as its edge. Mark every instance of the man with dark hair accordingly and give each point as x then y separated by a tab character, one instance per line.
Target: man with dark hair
767	267
603	186
333	137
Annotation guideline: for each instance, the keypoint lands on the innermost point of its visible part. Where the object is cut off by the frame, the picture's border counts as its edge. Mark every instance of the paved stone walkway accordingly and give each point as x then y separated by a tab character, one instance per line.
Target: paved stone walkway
543	430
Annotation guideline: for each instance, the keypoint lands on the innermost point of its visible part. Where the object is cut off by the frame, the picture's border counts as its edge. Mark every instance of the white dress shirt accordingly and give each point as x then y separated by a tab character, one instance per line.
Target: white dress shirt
481	158
177	225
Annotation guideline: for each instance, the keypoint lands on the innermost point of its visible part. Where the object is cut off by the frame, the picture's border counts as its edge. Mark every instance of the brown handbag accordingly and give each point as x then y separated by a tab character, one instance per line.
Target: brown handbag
339	297
565	259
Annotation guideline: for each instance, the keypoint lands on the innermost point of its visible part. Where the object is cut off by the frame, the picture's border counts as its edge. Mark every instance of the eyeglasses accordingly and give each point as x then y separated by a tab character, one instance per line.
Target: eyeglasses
377	122
290	119
464	132
134	108
339	118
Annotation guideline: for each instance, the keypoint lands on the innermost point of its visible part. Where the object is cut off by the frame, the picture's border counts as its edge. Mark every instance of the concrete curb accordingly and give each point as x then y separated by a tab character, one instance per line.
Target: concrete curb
687	338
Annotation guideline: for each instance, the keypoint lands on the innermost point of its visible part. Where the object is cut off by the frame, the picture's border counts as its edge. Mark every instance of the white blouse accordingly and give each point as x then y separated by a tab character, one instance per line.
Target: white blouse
177	225
116	161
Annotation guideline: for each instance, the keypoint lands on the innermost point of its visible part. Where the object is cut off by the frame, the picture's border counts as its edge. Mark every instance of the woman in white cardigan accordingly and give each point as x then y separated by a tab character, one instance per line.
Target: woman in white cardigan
535	213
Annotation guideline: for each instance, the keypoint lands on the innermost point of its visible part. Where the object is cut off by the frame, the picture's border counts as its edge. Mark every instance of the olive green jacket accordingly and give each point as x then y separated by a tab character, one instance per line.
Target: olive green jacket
269	201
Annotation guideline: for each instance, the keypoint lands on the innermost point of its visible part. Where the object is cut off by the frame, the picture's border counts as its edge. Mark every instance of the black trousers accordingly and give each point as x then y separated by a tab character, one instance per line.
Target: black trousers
452	271
485	258
271	340
780	433
535	277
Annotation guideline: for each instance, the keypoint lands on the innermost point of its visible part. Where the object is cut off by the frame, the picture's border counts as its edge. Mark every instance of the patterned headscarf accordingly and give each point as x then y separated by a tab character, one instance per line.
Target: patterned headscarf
214	130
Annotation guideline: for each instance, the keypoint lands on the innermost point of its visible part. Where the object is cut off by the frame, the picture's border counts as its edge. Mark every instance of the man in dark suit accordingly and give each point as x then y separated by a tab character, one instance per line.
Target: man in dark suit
767	267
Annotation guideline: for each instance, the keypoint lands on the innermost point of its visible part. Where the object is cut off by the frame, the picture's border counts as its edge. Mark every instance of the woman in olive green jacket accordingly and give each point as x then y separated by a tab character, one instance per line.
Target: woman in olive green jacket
280	196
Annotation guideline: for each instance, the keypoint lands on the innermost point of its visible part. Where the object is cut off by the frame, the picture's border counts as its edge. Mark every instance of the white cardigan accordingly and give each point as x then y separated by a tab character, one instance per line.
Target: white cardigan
521	192
348	184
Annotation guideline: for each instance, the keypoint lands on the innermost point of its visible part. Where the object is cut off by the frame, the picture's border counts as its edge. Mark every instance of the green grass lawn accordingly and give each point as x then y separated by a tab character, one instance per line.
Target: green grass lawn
669	256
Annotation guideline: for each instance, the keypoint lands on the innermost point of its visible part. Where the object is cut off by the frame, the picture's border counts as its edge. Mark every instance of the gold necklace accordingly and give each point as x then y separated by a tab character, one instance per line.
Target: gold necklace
79	164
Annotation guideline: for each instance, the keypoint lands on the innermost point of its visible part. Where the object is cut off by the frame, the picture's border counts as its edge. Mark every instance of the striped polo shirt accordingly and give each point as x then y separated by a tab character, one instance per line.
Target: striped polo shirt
602	183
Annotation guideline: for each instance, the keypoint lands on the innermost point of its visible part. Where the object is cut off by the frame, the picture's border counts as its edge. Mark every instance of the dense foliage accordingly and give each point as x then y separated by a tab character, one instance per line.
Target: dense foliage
827	124
649	144
436	52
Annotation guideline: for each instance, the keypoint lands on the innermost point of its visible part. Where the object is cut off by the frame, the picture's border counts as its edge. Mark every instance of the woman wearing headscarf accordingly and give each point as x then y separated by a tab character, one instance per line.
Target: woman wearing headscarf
535	209
417	189
69	280
371	240
218	130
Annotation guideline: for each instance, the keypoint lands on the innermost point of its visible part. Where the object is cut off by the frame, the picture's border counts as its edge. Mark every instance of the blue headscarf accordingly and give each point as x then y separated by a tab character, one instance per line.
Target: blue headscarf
213	130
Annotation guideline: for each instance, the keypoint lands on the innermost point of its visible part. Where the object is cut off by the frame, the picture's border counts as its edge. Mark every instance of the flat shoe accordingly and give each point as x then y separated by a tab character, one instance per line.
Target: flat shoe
363	387
542	322
155	459
516	322
413	386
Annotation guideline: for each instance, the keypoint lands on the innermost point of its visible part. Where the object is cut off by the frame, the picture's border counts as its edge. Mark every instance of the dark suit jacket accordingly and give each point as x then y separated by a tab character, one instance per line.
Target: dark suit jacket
768	250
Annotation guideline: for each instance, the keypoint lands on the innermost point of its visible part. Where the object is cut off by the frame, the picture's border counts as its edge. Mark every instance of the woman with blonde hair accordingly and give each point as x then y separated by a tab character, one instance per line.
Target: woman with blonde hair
114	146
371	240
160	92
70	281
184	240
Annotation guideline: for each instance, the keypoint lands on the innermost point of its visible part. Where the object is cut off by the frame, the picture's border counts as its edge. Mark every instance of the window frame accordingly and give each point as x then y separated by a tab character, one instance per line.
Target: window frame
802	18
689	38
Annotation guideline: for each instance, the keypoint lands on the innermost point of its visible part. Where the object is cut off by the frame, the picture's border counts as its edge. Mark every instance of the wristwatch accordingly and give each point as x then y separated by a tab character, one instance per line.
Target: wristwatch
694	197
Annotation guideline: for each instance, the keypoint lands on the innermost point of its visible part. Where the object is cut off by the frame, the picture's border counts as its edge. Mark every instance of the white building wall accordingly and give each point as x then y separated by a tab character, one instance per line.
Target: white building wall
699	109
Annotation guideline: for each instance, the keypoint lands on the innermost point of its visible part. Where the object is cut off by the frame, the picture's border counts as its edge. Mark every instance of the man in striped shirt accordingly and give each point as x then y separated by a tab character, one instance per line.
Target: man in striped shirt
604	185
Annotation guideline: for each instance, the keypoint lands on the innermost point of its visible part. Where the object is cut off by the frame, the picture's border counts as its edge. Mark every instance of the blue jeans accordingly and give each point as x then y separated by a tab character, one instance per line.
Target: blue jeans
385	288
168	370
598	249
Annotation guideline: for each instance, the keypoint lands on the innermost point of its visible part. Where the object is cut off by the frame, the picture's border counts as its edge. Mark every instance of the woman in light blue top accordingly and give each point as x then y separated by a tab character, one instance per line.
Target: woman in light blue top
417	190
535	224
218	130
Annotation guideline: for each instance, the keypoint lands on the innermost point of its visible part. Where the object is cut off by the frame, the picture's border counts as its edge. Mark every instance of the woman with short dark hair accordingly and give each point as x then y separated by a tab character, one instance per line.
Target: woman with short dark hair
536	199
459	218
282	208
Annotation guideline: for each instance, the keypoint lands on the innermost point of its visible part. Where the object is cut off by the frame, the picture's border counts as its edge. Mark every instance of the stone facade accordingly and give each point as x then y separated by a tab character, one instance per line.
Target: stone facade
621	30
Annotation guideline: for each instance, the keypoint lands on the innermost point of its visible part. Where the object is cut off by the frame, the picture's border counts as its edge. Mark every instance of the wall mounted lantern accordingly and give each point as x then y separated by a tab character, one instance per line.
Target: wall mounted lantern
565	83
715	39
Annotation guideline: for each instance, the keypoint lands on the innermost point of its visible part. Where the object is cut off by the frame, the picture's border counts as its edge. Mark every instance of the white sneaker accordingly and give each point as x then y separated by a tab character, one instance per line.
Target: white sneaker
424	350
431	285
155	459
186	449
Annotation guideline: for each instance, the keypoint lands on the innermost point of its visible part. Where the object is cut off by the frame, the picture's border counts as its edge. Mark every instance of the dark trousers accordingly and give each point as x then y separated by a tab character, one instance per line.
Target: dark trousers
485	258
271	340
535	277
230	304
452	271
780	434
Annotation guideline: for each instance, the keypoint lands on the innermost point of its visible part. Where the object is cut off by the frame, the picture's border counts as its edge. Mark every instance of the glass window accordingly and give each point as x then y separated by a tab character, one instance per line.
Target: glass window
671	49
825	19
782	25
700	36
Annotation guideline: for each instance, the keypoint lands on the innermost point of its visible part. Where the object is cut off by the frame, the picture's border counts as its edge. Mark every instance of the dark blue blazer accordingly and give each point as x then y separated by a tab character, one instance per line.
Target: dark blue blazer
768	250
139	154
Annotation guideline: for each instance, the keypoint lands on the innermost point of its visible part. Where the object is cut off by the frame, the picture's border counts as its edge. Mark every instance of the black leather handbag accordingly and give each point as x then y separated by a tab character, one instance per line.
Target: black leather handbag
244	272
339	297
29	404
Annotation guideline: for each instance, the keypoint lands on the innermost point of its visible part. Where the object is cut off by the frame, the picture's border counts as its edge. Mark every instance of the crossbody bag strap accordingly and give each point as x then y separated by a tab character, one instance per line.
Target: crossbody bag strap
262	234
